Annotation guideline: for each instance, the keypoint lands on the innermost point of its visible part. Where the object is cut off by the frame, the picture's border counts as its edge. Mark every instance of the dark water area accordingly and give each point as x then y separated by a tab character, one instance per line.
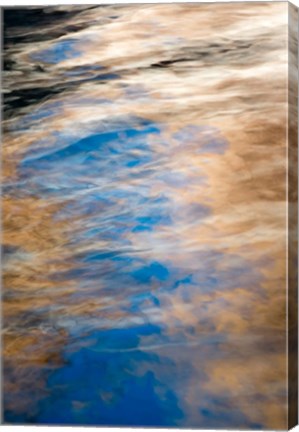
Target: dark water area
139	267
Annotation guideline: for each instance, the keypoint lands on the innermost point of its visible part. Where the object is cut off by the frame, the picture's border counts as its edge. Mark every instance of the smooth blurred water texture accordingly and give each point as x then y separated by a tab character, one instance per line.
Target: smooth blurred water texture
144	215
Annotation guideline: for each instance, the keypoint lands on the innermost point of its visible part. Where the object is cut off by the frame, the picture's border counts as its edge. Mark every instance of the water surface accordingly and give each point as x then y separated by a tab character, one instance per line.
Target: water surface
144	215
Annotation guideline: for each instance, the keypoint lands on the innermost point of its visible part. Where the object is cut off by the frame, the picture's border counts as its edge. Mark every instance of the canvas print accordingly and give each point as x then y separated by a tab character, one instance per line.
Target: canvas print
149	202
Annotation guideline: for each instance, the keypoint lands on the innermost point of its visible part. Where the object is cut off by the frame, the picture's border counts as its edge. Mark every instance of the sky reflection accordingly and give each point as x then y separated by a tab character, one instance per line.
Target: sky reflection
144	216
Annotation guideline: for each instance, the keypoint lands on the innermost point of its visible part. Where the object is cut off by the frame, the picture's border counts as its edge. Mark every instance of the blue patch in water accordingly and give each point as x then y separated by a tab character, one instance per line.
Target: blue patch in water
96	145
142	228
105	77
147	273
184	281
60	51
148	222
99	384
154	219
138	161
96	256
136	301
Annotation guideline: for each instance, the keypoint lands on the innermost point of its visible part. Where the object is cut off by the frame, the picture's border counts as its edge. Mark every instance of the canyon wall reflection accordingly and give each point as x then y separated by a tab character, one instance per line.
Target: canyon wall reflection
144	215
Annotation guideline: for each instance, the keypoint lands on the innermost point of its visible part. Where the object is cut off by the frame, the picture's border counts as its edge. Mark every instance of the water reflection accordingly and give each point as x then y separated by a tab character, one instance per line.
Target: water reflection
144	215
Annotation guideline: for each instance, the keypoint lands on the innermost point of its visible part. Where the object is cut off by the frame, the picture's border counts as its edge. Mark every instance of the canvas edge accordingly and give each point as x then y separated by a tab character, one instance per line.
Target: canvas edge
292	222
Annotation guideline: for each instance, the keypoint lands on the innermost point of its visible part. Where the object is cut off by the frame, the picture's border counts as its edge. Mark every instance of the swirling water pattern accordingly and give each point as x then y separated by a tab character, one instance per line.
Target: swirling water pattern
144	215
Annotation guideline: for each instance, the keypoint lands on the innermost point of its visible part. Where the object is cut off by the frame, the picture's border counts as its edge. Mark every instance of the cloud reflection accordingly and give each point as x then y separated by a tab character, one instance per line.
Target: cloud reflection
144	215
